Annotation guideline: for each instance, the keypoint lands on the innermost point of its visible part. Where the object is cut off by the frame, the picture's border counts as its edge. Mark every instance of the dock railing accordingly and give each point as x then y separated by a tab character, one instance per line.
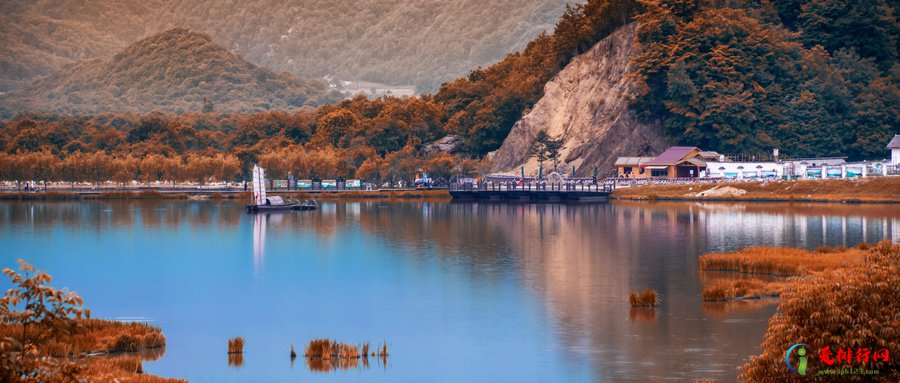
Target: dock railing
573	186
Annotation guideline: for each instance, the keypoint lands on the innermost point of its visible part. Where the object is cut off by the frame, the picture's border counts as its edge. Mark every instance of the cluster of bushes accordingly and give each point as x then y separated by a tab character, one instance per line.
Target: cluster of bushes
851	307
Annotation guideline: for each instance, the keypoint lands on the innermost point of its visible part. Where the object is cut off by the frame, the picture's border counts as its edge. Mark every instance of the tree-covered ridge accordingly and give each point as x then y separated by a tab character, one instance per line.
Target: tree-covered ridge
417	42
726	76
736	78
175	71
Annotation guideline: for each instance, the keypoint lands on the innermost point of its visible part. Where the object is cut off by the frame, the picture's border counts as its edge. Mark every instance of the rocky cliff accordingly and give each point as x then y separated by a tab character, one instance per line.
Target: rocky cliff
587	105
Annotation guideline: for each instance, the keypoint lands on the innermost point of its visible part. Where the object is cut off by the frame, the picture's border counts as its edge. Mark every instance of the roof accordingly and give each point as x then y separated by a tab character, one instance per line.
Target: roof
695	162
631	161
672	155
709	155
895	143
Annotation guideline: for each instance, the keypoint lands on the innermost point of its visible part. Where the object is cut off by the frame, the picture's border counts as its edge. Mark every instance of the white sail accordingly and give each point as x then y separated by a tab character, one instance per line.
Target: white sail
259	185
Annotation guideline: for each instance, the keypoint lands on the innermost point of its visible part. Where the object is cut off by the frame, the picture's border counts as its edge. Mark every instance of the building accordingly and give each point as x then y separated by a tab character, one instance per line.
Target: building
677	162
744	170
632	167
894	147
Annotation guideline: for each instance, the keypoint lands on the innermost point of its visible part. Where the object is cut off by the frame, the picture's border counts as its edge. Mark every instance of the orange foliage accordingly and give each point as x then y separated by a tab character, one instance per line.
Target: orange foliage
855	306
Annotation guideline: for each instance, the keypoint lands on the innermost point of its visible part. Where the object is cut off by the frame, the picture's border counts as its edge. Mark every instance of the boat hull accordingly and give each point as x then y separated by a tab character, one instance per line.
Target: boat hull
265	208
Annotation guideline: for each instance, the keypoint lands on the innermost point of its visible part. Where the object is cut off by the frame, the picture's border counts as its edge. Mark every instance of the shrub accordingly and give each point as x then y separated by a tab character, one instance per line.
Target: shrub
853	307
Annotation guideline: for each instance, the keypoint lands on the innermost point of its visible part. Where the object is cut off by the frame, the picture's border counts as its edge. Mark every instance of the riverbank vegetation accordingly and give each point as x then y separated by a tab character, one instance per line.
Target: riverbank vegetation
757	272
46	335
852	306
872	189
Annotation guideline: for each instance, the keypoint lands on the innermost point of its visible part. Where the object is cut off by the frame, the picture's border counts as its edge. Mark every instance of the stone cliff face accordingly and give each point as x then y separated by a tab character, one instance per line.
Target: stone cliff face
587	105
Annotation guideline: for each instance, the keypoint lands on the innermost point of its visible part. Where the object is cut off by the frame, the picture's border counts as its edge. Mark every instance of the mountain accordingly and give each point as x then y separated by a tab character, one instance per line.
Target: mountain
418	42
587	105
173	71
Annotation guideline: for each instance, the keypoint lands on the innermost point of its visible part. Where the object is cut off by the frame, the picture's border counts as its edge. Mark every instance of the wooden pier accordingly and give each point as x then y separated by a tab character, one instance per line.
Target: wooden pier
532	192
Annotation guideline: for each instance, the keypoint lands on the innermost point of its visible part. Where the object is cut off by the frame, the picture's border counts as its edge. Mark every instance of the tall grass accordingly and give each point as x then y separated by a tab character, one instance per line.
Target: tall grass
728	289
92	336
646	298
236	345
780	261
323	355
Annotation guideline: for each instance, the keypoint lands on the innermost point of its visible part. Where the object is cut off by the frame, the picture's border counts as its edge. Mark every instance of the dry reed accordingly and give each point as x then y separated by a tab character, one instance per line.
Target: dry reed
646	298
236	345
323	355
780	261
92	336
728	289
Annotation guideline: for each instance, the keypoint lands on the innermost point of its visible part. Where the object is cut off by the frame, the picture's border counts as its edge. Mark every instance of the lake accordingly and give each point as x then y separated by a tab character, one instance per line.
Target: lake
461	292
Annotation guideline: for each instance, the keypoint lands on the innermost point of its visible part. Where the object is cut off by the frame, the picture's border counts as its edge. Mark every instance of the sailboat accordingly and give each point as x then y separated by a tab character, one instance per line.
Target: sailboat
262	203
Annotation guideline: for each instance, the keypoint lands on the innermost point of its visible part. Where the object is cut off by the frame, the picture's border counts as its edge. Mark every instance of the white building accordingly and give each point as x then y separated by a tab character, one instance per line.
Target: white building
894	147
744	170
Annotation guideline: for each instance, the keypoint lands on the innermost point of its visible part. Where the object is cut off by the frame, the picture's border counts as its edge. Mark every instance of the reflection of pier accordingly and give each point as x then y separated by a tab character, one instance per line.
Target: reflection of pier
531	192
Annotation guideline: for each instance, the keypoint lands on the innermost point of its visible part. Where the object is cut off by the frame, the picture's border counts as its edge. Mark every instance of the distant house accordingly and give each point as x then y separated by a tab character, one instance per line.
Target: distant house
677	162
894	146
632	167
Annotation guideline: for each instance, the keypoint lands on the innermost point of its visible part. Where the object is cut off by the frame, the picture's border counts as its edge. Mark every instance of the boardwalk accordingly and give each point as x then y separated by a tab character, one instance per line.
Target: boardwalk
531	192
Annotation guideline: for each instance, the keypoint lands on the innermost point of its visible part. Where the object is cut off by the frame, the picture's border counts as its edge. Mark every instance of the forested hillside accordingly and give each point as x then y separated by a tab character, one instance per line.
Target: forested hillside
174	71
736	77
418	42
812	77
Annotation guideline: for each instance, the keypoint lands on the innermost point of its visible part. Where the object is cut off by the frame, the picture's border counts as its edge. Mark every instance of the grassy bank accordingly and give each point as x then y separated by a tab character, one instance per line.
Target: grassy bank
758	272
872	190
46	336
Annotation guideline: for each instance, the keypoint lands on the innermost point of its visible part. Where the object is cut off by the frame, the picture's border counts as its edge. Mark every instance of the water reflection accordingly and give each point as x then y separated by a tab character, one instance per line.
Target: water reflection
259	241
512	292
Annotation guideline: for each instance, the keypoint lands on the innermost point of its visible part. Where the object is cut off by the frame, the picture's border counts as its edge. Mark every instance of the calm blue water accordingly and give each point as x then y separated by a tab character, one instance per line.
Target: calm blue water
461	292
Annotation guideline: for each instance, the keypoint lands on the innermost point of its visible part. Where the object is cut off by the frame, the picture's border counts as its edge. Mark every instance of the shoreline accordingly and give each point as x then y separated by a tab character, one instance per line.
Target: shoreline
883	190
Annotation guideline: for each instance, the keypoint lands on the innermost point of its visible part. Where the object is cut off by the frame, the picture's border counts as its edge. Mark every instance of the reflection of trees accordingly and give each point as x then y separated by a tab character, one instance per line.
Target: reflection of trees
144	213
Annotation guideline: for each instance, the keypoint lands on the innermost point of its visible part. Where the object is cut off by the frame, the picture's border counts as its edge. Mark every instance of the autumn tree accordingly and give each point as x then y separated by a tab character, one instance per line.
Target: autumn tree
334	126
